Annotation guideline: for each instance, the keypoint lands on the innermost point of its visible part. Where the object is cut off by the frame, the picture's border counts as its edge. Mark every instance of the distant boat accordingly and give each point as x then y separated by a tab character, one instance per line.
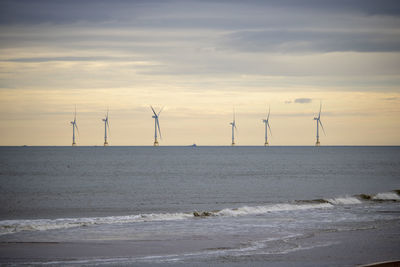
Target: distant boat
194	145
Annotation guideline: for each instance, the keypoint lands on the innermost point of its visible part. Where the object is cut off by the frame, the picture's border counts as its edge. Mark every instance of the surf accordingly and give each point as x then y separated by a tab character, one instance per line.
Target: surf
15	226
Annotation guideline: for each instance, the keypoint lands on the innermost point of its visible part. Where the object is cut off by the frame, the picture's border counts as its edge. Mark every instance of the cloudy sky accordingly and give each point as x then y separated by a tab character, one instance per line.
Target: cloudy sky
199	60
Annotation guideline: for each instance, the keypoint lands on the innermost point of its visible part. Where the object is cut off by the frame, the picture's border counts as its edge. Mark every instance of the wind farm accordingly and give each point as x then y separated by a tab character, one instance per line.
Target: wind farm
233	125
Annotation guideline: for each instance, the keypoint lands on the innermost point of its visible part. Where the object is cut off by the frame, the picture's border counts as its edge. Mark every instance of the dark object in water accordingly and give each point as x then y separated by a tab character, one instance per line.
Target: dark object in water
202	214
365	196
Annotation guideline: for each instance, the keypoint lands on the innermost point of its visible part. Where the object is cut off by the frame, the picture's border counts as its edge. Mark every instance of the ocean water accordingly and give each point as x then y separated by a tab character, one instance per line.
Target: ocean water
189	204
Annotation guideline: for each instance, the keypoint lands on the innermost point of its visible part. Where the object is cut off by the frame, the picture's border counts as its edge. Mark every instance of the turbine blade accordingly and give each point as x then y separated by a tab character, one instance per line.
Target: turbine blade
76	126
160	111
322	126
155	114
269	111
158	126
269	127
108	126
320	107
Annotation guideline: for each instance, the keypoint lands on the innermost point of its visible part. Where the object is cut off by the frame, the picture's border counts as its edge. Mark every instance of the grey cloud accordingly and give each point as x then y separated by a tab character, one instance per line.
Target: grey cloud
177	34
369	7
303	100
249	24
176	12
60	12
313	41
67	58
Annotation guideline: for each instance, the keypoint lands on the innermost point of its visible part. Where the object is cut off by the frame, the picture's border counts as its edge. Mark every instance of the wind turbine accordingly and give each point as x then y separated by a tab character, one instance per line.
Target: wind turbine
156	125
106	125
233	123
74	125
266	122
318	119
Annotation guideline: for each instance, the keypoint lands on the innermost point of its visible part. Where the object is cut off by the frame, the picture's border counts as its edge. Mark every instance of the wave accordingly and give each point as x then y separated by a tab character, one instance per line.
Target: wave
270	208
386	196
344	201
15	226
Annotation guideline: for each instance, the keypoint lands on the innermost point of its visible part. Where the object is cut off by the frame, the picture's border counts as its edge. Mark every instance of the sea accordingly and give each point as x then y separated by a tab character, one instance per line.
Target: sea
198	206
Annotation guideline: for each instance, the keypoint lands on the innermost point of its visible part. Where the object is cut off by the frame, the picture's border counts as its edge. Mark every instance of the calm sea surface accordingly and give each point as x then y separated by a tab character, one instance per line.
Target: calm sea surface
250	199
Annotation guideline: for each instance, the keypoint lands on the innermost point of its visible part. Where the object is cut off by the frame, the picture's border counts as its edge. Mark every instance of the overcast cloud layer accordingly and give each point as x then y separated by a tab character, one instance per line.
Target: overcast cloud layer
197	37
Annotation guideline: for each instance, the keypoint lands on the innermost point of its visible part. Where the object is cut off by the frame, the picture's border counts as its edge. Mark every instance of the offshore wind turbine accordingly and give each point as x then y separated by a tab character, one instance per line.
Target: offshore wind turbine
156	125
74	125
318	119
266	122
233	123
106	125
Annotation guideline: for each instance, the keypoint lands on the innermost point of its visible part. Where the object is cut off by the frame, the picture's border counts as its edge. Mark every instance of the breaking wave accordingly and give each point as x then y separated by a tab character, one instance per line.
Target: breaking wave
269	208
344	201
386	196
15	226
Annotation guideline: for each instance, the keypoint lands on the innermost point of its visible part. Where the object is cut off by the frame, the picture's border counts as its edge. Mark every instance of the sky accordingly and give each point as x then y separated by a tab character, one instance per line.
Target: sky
200	60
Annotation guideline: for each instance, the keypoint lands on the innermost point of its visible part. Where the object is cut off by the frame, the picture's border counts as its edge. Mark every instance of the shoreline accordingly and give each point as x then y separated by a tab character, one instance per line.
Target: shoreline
378	243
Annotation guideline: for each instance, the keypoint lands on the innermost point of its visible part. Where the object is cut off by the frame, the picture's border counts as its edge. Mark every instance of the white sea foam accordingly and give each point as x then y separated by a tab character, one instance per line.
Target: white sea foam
270	208
344	201
386	196
14	226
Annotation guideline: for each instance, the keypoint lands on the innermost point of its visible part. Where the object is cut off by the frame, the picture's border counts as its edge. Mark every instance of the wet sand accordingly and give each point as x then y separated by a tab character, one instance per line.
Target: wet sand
377	243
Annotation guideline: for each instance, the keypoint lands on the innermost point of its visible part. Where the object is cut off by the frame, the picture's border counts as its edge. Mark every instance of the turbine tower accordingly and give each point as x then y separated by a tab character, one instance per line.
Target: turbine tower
106	125
233	123
266	122
318	119
156	125
74	125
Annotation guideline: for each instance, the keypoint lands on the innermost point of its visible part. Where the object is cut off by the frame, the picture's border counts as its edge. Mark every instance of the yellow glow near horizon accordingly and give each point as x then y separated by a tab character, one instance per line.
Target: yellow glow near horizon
41	117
